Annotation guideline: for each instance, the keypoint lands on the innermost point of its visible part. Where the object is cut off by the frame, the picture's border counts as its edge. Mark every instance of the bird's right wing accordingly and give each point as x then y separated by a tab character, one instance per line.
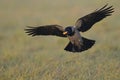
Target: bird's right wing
55	30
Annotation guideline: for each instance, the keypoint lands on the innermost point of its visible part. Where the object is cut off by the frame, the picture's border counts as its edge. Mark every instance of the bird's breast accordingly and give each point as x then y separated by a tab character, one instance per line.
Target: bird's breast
76	38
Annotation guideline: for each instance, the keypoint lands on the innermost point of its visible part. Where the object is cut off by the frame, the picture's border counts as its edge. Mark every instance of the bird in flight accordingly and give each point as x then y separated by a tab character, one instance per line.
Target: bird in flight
77	43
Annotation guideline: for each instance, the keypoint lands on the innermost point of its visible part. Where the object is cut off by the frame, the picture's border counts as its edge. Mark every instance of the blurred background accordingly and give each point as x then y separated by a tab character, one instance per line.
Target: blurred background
23	57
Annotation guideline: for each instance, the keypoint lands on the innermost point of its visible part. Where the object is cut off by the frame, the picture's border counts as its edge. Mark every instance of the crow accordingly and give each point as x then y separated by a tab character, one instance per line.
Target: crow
77	43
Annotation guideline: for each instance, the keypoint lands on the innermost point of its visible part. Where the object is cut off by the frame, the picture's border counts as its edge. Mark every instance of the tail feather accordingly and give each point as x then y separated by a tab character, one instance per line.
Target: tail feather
87	44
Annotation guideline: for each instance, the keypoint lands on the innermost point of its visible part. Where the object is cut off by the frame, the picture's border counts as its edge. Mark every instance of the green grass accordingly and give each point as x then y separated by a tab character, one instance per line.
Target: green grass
42	58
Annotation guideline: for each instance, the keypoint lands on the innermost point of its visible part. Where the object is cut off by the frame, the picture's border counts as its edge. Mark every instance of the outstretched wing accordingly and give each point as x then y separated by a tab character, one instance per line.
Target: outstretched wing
46	30
85	23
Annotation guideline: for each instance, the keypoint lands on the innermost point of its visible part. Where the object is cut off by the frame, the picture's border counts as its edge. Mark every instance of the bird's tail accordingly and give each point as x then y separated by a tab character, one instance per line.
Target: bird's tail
87	43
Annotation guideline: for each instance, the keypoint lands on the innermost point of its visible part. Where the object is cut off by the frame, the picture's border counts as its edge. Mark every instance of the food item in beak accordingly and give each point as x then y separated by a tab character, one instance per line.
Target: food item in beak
65	32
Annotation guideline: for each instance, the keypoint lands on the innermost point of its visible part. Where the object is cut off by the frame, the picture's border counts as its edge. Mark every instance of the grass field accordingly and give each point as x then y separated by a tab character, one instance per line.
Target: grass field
42	58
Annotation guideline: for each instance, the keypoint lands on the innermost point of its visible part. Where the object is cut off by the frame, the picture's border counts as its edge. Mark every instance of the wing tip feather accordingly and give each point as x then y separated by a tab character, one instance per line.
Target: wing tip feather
106	9
30	30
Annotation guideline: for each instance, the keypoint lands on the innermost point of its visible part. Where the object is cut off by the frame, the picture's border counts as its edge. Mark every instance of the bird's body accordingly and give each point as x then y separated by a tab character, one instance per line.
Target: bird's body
77	42
76	39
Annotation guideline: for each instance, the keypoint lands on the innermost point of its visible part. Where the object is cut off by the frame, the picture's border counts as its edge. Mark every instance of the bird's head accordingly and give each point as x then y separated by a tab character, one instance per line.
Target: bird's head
69	31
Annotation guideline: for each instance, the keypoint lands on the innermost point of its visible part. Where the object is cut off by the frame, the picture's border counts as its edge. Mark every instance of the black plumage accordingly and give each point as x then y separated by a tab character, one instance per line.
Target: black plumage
85	23
77	42
46	30
87	44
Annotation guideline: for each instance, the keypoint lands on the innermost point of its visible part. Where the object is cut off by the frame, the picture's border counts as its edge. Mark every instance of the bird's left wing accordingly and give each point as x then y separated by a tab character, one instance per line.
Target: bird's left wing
55	30
85	23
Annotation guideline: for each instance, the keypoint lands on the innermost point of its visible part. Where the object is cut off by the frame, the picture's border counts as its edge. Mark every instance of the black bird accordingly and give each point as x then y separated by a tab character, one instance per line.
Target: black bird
77	42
